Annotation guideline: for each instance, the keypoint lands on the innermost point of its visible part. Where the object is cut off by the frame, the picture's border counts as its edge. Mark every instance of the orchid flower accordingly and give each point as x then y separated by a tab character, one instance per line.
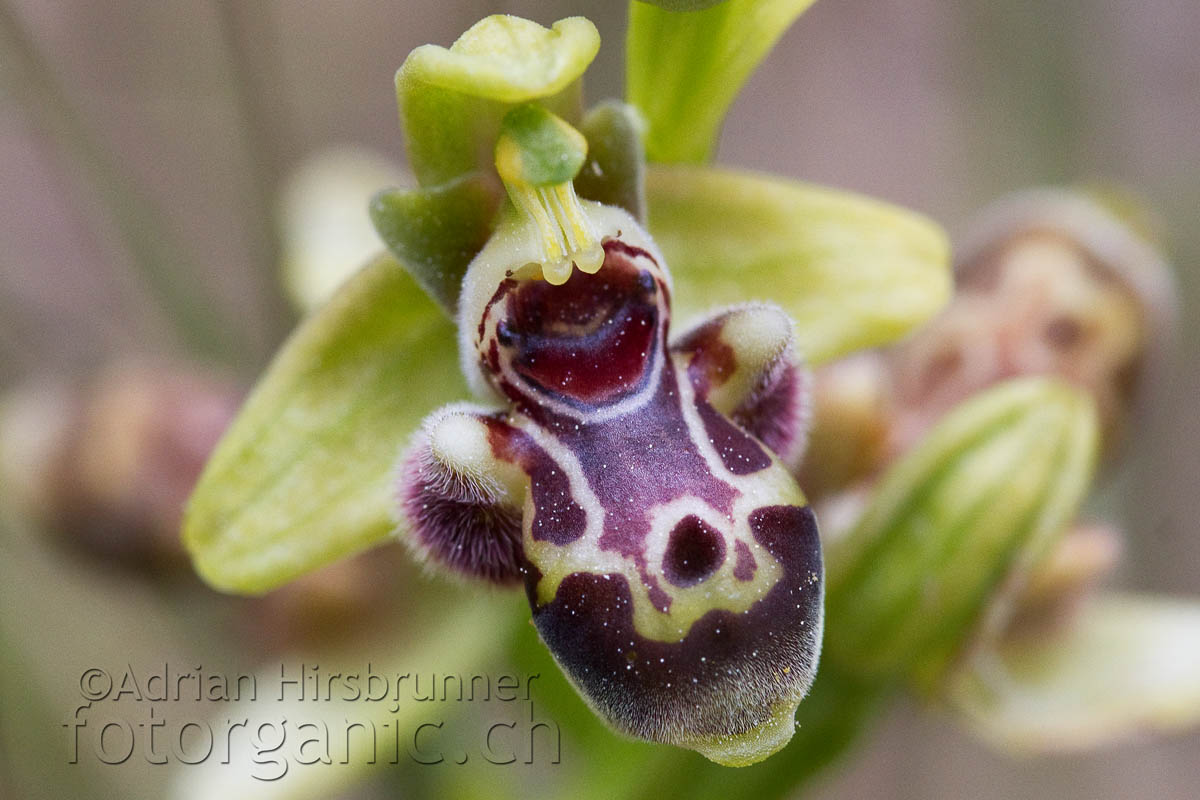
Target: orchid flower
503	388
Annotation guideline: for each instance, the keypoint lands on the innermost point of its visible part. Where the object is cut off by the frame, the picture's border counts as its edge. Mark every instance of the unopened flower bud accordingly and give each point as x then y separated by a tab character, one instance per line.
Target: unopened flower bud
853	414
1050	283
952	525
108	463
1078	562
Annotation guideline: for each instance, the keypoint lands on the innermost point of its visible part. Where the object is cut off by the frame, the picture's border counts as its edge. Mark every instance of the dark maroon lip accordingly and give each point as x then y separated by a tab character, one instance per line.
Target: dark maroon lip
590	341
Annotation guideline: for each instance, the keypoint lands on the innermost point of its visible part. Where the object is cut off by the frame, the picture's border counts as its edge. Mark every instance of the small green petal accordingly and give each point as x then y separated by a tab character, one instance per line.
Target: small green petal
436	232
1127	665
684	68
972	507
452	100
615	171
304	474
852	272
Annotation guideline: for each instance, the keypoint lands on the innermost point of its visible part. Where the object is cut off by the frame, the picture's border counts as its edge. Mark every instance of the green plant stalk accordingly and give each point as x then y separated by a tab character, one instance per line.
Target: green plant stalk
262	137
28	78
684	68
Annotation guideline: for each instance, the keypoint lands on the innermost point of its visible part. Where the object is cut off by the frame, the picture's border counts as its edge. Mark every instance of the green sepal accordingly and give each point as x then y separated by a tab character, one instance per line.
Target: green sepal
683	69
852	272
957	520
305	473
436	232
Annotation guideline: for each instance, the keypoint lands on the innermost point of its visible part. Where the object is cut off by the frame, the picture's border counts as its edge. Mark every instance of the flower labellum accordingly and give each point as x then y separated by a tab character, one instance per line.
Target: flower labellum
638	487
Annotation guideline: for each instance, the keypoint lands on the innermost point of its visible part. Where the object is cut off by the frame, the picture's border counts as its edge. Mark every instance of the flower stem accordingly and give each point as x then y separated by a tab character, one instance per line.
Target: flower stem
28	78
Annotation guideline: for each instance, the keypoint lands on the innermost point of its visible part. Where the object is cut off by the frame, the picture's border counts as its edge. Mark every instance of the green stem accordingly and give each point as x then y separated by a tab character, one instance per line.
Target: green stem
27	77
262	139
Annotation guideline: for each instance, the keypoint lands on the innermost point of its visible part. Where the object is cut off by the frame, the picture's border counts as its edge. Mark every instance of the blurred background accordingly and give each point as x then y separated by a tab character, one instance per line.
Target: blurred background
144	150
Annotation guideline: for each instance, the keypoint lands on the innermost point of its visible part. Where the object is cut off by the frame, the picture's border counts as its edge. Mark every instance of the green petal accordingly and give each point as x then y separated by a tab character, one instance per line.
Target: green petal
452	100
852	272
436	232
615	171
684	68
303	476
969	509
1126	665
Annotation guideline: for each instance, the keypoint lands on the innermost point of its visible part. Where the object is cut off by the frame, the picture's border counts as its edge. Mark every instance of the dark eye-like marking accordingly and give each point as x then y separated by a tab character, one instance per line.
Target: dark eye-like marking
504	334
694	551
647	283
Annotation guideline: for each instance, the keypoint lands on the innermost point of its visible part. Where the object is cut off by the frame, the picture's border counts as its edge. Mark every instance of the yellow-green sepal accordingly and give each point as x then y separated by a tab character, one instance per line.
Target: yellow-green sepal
304	474
954	525
852	272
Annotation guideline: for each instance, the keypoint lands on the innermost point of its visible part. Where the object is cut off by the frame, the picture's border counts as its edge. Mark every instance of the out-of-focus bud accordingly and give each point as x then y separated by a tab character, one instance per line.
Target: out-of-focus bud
108	463
324	231
1127	665
1050	283
1058	584
853	413
954	526
329	605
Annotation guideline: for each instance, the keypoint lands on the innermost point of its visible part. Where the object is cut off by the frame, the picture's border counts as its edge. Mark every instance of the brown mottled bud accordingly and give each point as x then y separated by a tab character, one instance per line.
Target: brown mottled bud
1050	283
108	462
852	417
1054	588
328	605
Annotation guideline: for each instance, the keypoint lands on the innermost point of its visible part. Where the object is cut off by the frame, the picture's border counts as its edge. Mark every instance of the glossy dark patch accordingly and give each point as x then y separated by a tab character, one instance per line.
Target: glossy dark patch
590	340
695	550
